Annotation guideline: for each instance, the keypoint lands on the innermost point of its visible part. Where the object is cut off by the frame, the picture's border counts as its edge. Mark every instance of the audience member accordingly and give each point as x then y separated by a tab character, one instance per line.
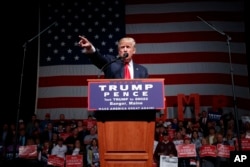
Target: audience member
45	121
88	138
206	161
221	161
31	125
187	161
70	141
164	147
59	149
93	158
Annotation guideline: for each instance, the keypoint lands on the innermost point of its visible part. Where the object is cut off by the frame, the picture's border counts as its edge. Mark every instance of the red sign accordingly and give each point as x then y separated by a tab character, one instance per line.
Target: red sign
55	160
224	150
186	150
74	160
208	151
29	151
245	144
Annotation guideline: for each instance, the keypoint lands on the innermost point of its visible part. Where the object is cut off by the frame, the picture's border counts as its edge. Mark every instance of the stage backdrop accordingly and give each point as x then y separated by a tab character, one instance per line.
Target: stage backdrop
175	41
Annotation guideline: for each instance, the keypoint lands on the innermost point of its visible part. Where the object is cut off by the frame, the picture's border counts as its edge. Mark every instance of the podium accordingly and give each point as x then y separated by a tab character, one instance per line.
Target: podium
125	111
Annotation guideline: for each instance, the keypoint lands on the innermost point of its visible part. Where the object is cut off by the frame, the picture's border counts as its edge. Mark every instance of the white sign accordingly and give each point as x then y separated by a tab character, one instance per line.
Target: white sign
167	161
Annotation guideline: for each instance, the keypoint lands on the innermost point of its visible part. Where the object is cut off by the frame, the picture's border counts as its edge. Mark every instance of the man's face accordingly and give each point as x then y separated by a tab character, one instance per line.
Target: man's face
165	137
126	47
219	138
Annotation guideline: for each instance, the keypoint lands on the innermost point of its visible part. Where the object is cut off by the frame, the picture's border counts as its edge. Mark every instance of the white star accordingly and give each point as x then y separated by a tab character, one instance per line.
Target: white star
48	59
83	50
62	43
69	51
110	23
62	58
76	17
69	36
76	57
96	36
110	36
49	45
56	38
111	50
55	51
116	42
117	15
103	43
76	30
117	29
69	24
83	23
56	11
76	43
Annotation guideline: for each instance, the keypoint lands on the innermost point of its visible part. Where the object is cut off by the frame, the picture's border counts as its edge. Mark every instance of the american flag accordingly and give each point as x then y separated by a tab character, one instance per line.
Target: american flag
175	41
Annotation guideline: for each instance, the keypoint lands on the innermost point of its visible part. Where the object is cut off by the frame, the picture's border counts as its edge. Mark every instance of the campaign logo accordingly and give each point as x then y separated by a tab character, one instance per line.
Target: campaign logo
239	158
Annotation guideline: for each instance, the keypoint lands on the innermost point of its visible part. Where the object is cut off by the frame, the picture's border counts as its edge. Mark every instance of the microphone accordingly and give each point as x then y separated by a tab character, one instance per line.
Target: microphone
125	55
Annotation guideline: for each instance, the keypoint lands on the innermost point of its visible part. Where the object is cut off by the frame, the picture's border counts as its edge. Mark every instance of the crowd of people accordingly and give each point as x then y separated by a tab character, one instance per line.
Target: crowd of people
200	131
63	137
59	137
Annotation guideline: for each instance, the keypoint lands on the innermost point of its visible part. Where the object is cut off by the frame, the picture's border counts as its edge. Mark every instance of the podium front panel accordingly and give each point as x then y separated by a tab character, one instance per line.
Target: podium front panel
126	138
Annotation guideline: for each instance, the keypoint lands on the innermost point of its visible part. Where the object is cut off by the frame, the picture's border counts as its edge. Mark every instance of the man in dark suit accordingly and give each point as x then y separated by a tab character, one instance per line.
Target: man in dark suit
203	120
22	137
114	66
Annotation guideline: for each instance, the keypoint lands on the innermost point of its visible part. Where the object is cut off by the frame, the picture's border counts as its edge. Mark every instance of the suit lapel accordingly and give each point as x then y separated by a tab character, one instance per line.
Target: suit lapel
136	71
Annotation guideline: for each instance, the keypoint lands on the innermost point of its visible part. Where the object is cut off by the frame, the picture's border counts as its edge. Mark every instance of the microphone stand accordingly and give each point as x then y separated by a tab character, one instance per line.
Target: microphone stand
107	64
232	77
21	83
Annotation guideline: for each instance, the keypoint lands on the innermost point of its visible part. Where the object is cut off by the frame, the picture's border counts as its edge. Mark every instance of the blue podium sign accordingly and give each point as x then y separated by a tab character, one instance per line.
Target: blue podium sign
121	94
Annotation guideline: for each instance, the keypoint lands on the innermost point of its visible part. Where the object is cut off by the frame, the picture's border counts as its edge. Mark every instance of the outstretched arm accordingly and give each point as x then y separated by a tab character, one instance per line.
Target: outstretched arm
84	43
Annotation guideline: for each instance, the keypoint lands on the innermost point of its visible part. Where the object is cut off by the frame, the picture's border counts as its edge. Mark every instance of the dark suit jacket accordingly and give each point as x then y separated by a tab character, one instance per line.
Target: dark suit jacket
45	136
22	140
116	68
204	127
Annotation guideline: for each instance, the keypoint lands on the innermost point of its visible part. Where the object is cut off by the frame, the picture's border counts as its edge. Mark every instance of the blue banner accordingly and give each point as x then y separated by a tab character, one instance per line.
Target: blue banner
120	94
